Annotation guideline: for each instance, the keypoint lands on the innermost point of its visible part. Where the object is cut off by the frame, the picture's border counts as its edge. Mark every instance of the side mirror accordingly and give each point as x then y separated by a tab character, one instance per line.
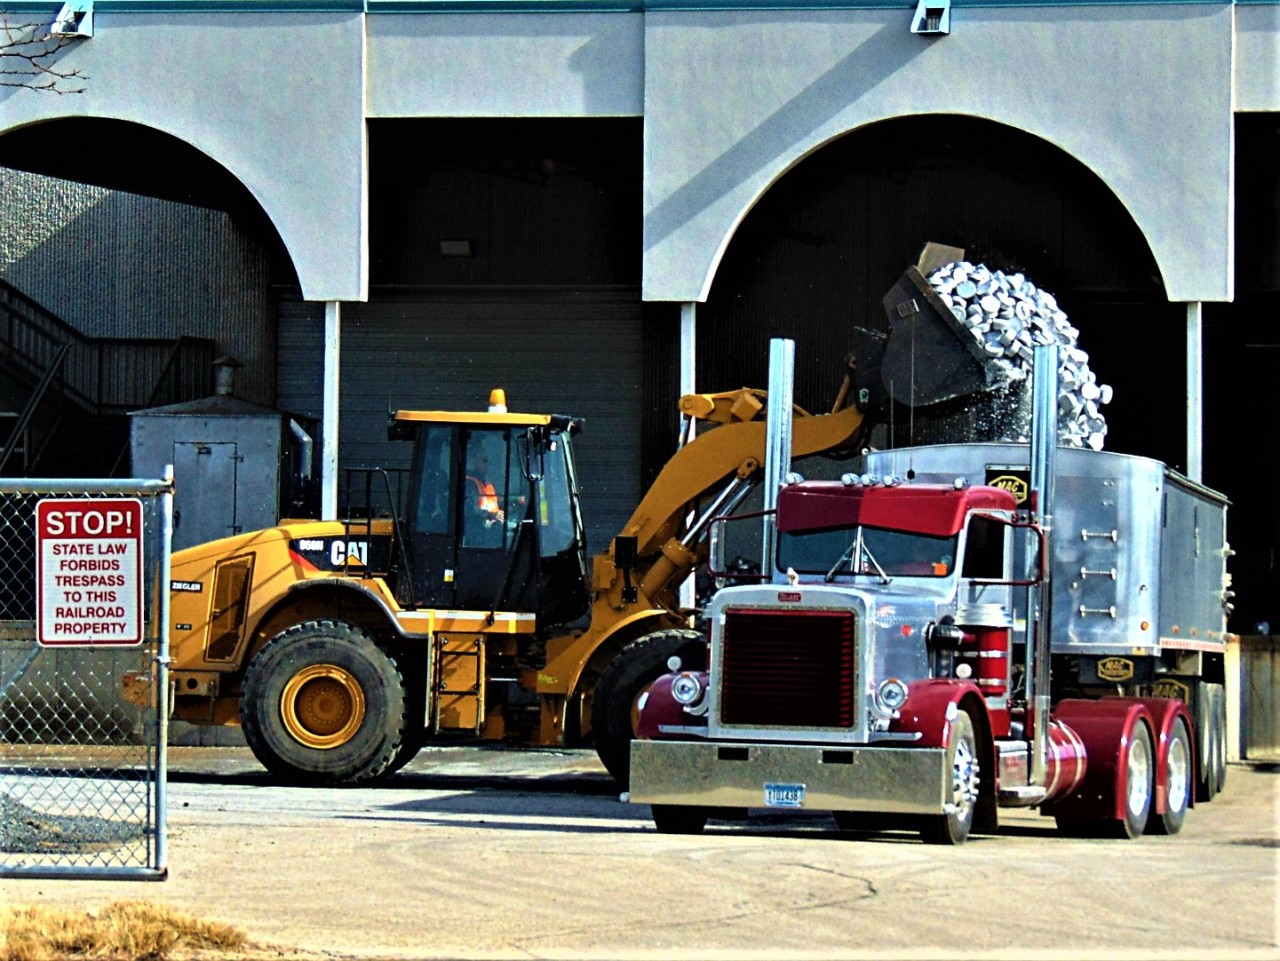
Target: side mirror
625	549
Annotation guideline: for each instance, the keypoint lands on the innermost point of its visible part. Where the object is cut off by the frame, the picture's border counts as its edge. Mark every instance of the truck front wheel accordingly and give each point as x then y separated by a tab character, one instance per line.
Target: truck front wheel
322	703
633	669
963	779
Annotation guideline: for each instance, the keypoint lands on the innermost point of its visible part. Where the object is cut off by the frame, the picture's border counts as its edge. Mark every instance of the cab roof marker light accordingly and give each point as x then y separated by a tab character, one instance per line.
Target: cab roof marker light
960	483
869	479
850	480
792	478
497	401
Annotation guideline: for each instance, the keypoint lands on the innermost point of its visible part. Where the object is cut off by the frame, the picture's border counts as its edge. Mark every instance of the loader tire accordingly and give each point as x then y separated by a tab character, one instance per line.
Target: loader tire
633	669
324	704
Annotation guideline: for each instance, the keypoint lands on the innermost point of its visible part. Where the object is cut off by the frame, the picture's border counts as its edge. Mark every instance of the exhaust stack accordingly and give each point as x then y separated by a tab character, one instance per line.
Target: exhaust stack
777	450
1044	447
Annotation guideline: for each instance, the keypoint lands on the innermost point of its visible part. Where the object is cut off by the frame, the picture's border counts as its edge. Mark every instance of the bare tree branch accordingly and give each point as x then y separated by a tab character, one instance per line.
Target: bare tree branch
29	55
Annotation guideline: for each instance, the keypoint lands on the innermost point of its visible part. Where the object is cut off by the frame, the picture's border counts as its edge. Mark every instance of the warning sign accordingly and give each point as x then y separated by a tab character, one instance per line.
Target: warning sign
89	572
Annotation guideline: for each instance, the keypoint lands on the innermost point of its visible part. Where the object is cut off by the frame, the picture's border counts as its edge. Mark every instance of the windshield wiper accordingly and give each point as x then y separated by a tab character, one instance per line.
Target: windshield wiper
866	552
843	558
859	547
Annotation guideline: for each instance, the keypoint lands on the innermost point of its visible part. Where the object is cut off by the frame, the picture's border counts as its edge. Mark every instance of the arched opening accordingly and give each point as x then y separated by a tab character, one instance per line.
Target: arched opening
818	252
121	240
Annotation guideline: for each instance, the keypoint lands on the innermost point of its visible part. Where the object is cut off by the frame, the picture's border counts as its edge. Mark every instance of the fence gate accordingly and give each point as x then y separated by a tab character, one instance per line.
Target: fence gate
84	600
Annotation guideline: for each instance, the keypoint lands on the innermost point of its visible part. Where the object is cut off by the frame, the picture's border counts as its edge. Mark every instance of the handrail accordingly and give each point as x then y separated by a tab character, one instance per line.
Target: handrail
106	375
33	402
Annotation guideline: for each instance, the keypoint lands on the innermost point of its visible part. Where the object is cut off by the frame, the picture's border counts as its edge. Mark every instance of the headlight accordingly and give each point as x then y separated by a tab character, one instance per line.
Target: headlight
686	689
890	696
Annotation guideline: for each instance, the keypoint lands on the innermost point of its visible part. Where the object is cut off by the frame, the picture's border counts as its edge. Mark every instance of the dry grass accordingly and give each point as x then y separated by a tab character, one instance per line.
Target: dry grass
133	930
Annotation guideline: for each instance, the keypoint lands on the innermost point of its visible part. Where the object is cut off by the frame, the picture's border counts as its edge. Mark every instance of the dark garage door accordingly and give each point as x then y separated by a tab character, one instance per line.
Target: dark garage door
568	353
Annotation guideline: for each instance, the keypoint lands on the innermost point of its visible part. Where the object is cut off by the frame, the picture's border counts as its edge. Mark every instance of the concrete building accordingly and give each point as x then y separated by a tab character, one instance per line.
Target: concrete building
600	204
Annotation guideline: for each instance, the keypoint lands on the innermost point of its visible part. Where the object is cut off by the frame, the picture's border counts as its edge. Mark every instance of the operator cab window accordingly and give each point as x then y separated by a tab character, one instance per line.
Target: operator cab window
435	481
492	501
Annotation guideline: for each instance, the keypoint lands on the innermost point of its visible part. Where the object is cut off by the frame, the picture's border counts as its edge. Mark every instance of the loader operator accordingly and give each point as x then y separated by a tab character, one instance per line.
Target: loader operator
484	496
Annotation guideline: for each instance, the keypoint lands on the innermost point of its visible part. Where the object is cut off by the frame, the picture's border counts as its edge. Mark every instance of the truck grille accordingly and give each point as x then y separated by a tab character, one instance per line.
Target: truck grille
787	669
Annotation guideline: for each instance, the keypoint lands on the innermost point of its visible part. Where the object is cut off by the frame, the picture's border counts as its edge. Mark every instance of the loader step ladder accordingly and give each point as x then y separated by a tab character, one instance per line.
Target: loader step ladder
458	688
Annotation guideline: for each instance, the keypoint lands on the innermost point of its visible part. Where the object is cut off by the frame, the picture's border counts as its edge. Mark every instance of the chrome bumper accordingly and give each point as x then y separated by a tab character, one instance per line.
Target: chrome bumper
858	778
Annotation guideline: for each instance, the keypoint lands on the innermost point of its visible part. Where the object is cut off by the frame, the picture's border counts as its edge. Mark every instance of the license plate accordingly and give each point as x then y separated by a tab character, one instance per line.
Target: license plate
784	795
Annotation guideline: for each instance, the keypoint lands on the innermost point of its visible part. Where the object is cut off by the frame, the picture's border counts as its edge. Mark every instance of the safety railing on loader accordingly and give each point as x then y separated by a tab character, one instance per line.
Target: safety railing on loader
84	576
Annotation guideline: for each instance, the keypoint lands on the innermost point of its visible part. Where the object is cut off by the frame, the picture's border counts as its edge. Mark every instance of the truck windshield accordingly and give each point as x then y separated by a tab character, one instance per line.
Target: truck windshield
866	551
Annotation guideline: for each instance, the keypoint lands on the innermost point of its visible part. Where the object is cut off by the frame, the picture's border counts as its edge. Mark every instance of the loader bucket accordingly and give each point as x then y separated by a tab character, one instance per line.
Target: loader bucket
930	355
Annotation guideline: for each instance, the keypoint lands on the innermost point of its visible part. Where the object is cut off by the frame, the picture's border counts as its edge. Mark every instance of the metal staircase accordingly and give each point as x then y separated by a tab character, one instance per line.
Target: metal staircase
78	389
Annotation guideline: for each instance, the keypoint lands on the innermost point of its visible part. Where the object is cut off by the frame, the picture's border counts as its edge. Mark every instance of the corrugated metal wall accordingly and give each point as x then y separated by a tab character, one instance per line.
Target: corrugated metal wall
571	352
116	264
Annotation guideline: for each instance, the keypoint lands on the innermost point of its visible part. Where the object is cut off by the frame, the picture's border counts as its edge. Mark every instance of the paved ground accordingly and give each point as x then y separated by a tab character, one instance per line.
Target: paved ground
482	853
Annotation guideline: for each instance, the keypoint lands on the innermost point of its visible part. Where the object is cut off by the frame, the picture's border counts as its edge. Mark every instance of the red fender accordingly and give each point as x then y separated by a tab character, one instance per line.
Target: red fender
1165	712
926	711
660	708
1106	727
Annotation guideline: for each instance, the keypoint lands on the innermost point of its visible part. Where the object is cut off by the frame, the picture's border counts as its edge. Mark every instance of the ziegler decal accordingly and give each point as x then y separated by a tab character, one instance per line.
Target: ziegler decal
186	587
1115	669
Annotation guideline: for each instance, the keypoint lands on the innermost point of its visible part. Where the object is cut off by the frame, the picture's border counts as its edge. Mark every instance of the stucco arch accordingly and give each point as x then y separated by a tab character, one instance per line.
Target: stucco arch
1141	96
982	128
285	119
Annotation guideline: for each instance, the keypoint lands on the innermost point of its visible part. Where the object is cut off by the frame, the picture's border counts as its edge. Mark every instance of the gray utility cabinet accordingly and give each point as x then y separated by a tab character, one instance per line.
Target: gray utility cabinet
237	465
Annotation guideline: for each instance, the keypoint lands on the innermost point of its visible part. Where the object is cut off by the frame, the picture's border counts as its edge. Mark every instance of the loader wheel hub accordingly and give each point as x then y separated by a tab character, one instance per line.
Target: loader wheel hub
322	706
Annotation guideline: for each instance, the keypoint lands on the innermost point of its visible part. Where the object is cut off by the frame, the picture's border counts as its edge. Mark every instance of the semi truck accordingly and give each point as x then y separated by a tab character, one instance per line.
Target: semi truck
947	631
467	605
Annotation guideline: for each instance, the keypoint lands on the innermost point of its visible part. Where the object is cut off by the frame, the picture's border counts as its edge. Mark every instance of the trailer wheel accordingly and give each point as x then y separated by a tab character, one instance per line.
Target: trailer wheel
679	819
635	667
322	703
1179	786
1220	716
965	773
1211	721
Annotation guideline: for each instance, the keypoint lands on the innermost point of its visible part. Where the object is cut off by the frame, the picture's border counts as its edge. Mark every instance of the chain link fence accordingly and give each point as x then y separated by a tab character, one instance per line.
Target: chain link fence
84	573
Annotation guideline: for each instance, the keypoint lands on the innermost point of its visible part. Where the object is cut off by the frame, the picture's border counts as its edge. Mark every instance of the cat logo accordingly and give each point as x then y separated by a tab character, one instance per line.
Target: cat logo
1115	669
1168	687
1015	485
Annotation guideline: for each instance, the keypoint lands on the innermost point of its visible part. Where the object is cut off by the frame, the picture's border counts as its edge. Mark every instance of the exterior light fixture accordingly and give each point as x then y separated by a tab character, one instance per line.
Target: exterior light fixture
75	19
932	18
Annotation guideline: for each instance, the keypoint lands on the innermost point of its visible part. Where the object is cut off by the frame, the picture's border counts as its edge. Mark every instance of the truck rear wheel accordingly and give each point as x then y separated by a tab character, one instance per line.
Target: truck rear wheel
322	703
633	669
1139	776
962	789
1178	782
